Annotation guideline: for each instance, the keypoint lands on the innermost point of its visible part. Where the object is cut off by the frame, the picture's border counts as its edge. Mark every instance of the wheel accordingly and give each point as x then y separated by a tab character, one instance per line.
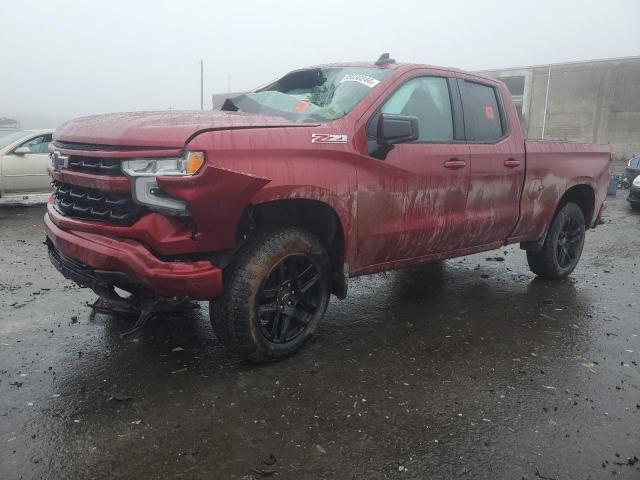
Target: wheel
562	246
276	292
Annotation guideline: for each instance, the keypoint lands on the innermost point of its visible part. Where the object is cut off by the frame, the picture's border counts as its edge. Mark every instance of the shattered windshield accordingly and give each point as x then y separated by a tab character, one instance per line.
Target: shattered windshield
316	94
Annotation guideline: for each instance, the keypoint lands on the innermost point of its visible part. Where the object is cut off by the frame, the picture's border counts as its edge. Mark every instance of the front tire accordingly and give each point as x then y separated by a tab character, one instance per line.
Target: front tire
562	246
276	292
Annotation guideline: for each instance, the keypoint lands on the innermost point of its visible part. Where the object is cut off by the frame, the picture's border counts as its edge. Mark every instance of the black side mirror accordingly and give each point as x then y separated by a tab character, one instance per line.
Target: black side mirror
394	129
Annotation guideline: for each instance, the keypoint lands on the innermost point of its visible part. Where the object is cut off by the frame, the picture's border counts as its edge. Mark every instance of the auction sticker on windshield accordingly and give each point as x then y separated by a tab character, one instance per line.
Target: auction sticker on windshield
328	138
363	79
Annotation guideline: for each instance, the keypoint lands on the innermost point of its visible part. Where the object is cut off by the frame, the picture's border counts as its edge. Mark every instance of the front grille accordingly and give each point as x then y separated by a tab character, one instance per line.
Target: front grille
102	166
80	202
90	147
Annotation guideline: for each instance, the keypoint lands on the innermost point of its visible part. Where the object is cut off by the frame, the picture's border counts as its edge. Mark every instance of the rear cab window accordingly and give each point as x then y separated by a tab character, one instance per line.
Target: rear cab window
484	118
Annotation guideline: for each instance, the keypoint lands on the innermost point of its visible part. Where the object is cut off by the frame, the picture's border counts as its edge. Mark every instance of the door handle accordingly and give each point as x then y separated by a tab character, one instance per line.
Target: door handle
511	163
454	164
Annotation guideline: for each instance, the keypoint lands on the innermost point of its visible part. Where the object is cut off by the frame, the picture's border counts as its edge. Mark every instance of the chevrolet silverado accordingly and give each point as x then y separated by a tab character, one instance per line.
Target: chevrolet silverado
268	206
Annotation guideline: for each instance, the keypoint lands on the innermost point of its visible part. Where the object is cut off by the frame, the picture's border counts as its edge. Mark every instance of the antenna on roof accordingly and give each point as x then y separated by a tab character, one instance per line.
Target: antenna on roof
384	60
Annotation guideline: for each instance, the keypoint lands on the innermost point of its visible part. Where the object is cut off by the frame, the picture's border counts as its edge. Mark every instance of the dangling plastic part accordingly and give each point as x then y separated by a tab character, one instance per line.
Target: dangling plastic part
384	60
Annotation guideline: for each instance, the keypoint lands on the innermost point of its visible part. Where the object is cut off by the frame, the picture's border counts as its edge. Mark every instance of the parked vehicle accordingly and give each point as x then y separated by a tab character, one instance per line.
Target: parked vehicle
8	125
331	172
634	194
24	159
633	169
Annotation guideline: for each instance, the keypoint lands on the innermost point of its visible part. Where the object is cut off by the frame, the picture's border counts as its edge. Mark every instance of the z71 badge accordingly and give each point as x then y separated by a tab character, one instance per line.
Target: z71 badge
328	138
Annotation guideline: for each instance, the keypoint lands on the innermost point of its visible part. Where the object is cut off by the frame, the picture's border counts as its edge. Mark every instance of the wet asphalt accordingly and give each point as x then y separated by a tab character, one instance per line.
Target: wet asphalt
471	368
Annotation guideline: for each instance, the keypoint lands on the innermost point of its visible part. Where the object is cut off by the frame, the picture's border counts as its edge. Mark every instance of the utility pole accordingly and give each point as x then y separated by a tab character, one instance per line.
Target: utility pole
201	85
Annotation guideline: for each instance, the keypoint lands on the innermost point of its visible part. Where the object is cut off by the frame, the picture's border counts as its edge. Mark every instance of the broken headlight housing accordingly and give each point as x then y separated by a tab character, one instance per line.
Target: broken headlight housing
144	171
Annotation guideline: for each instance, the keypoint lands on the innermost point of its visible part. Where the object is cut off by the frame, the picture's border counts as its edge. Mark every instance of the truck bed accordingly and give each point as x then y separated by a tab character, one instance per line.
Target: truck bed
552	168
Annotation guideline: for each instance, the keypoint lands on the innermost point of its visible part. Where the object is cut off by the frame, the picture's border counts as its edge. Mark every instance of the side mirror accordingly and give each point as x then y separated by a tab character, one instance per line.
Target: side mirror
394	129
22	151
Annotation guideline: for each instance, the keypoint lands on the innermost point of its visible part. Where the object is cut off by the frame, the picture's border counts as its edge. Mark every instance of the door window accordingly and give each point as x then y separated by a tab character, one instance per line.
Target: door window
482	115
39	144
426	98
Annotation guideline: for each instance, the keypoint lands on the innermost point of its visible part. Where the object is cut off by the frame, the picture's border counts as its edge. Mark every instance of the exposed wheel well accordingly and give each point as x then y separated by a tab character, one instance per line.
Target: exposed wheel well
583	196
314	216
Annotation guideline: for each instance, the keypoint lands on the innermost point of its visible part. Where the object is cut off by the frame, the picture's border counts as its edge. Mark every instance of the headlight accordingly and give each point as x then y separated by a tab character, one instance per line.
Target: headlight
636	181
155	167
143	173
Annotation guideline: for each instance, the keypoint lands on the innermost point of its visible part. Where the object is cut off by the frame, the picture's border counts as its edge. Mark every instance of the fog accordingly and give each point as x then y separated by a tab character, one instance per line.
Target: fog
63	59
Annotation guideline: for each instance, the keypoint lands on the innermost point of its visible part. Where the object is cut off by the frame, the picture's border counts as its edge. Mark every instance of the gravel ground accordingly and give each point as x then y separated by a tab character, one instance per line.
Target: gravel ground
471	368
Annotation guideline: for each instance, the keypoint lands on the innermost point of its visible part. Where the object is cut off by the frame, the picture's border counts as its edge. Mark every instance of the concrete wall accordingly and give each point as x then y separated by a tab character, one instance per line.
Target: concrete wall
595	102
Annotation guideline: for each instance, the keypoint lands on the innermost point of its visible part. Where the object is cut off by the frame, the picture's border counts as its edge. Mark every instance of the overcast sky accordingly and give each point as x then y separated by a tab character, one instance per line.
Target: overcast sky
61	59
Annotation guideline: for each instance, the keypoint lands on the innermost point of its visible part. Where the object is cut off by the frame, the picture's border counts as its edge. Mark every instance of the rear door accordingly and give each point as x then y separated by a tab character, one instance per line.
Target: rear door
27	173
412	203
497	163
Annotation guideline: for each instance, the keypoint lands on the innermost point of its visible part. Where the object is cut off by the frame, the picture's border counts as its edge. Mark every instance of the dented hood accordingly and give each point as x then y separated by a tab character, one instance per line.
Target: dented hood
167	129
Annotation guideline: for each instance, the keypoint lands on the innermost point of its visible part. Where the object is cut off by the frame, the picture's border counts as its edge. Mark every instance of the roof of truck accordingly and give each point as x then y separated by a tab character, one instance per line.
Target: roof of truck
386	66
397	67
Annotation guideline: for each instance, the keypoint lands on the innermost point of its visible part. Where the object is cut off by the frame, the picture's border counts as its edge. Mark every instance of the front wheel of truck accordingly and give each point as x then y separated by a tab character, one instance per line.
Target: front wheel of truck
563	245
276	292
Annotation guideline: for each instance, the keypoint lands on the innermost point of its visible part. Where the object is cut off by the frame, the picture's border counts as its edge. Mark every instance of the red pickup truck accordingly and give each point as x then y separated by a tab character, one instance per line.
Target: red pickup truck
270	205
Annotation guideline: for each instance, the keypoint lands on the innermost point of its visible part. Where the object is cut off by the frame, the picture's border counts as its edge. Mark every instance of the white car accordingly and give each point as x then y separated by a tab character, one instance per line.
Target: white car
24	158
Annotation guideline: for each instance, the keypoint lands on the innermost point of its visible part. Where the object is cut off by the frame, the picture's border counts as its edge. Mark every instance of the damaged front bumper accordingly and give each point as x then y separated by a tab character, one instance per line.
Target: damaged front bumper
102	263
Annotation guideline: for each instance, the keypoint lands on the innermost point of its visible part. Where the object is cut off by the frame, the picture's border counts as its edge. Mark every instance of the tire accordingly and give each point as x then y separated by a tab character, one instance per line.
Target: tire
276	292
562	246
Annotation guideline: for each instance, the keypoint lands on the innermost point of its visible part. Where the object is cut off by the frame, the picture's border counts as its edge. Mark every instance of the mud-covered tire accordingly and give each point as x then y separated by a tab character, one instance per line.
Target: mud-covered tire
562	246
249	286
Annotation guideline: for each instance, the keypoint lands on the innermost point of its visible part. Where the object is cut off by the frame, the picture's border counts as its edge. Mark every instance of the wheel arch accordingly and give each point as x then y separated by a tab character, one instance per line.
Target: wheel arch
316	216
583	195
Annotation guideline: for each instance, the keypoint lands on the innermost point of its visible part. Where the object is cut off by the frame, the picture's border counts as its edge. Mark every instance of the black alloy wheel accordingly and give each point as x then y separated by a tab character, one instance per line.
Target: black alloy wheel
569	245
562	245
288	299
276	292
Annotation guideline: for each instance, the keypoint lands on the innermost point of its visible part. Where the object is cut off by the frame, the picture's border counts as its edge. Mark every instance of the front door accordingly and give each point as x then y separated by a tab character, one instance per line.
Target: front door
27	172
412	203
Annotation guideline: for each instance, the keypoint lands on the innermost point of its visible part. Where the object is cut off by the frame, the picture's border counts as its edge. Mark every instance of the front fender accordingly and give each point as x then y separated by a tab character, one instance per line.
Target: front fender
216	198
344	206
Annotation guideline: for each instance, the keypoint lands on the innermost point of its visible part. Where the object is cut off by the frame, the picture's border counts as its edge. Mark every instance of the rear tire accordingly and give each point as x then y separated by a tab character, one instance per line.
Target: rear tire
276	292
562	246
